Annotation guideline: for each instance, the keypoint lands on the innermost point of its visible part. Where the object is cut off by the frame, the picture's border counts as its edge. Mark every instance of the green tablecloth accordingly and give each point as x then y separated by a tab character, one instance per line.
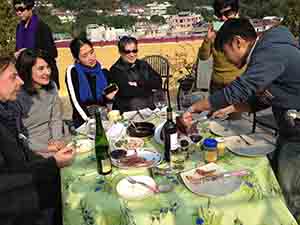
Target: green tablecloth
89	199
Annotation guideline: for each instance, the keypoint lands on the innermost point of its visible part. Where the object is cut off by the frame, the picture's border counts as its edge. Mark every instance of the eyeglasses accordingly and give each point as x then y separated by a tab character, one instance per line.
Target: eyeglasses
130	51
21	9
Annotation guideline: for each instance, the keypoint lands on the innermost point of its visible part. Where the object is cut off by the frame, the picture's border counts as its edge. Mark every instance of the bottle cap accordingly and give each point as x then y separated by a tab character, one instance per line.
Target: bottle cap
210	143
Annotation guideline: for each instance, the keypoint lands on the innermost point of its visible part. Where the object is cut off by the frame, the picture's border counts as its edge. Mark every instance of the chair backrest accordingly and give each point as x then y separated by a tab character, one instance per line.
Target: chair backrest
159	63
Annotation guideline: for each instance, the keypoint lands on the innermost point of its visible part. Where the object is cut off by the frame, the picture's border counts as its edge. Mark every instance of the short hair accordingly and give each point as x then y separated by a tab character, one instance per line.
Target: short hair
26	60
234	27
218	5
5	61
125	40
28	3
76	44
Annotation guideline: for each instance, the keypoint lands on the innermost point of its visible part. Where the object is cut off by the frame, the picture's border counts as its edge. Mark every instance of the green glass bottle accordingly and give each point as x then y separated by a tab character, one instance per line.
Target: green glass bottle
104	166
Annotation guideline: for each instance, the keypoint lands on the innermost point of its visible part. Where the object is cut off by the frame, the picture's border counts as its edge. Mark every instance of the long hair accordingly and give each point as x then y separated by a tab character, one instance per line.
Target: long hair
24	64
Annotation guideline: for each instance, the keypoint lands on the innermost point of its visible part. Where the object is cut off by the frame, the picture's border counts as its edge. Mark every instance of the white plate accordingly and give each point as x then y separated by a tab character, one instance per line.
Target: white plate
226	129
135	191
238	146
143	153
219	187
84	145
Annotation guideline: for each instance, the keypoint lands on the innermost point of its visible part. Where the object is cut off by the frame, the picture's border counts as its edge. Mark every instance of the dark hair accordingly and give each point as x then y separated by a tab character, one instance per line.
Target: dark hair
77	43
218	5
26	60
5	61
234	27
28	3
125	40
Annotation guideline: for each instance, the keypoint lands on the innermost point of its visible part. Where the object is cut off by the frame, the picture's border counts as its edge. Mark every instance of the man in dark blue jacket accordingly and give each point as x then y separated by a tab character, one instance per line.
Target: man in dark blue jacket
273	64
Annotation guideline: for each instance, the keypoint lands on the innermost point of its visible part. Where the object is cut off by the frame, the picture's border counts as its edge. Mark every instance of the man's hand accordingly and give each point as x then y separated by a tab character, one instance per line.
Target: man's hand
211	34
64	157
222	113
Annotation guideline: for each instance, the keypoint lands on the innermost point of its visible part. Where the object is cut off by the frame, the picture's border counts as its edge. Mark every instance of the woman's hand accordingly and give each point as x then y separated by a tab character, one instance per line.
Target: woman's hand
111	95
55	145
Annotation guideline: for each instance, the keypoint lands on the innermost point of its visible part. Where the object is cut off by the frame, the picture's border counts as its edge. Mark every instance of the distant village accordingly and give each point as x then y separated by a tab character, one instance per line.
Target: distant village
183	24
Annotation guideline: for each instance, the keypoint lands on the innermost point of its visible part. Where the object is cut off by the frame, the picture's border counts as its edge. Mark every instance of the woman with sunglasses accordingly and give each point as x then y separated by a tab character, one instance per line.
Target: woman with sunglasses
33	33
39	103
86	81
135	78
223	71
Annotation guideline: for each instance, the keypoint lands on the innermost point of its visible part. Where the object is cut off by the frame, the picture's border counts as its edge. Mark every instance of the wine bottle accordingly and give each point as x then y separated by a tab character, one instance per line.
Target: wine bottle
170	135
104	166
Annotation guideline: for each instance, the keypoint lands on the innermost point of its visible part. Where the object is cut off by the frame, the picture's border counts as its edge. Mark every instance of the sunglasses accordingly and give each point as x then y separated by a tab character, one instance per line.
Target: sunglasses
130	51
228	13
21	9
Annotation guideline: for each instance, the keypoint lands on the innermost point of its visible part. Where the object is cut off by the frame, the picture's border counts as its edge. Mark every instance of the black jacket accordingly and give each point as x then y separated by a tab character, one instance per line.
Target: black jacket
134	97
29	182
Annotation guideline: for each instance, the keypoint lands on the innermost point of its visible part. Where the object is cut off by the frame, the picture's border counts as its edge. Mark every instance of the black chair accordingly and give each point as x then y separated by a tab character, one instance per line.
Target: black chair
266	120
161	65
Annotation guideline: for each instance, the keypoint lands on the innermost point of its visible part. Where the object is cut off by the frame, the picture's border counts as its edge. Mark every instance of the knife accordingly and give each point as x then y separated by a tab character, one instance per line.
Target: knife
237	173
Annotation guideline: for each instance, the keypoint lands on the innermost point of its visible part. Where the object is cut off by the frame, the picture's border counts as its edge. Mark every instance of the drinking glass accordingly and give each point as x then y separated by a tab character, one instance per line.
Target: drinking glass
186	101
177	160
159	99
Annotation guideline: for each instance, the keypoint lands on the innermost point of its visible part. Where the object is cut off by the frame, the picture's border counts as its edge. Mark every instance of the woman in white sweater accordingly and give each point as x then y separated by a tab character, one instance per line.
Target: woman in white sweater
39	102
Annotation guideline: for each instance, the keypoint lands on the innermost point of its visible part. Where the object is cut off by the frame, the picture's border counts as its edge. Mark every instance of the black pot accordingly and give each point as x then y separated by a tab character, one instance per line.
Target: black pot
141	129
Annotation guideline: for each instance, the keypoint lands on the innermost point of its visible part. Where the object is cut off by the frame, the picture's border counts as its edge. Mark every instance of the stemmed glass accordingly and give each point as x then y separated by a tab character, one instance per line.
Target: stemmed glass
159	99
186	101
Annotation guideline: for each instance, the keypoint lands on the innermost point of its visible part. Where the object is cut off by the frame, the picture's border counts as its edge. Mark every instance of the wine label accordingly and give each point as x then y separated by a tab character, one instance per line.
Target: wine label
173	141
106	165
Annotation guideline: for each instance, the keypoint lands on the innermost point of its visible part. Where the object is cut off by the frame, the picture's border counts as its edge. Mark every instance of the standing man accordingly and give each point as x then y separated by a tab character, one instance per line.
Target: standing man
29	189
223	71
32	32
273	64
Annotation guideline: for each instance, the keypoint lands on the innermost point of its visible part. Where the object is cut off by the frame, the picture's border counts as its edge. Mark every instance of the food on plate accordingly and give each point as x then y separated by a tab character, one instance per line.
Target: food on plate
130	143
135	161
200	174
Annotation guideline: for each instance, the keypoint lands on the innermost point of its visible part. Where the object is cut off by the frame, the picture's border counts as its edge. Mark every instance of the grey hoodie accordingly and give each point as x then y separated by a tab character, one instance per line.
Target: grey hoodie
274	65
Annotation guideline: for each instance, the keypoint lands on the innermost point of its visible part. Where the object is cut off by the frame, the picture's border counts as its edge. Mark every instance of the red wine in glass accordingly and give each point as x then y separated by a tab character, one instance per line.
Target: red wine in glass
195	138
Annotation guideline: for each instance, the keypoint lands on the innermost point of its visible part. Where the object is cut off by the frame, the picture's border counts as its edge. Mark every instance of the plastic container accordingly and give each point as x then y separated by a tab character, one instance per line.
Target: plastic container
220	146
210	150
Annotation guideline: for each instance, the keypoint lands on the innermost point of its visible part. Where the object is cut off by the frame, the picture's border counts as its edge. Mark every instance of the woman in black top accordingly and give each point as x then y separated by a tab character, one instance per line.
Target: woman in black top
85	81
135	78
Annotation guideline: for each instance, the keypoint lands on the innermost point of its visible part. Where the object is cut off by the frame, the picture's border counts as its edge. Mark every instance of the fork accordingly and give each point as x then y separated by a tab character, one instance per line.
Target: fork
133	181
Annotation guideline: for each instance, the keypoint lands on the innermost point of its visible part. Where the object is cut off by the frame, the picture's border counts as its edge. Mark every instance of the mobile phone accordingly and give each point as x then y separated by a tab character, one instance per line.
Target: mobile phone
110	88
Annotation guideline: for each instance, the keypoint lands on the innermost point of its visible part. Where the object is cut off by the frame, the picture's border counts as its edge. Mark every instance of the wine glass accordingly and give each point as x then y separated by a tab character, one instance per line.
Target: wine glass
159	99
186	101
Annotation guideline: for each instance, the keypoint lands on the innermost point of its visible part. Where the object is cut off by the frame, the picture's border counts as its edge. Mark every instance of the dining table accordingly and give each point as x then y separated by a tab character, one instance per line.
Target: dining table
92	199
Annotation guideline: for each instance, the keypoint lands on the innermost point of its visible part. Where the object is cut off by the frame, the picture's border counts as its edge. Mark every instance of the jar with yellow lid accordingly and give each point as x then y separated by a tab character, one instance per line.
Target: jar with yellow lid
220	146
210	150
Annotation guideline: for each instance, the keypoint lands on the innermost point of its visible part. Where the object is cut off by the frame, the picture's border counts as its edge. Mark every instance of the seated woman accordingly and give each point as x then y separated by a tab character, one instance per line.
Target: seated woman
85	81
39	102
135	78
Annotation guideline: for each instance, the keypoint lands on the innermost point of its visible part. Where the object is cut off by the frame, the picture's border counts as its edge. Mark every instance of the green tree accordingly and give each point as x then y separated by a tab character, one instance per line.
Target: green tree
8	23
157	19
292	18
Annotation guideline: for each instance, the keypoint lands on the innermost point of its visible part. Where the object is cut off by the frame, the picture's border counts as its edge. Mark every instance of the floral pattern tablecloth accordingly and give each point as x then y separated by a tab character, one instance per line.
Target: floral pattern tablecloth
90	199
